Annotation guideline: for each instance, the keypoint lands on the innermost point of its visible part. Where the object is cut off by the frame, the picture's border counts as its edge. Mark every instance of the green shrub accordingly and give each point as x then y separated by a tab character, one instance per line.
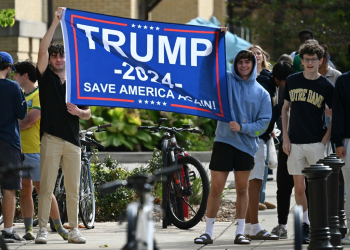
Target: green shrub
125	136
110	206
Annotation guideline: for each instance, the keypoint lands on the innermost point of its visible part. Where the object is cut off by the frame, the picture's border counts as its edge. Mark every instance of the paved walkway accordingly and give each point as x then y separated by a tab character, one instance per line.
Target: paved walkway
111	235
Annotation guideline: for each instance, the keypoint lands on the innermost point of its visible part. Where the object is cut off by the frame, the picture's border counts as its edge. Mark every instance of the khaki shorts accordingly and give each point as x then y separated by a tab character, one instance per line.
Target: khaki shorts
303	155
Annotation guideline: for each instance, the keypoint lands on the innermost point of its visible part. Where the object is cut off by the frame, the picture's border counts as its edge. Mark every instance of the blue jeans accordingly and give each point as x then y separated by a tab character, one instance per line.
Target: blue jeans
263	187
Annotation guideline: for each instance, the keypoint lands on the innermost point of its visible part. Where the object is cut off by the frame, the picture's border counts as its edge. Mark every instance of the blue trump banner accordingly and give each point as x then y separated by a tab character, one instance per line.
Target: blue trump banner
120	62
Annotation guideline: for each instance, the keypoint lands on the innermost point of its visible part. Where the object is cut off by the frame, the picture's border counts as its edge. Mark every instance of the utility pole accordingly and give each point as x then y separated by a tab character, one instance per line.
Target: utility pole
146	6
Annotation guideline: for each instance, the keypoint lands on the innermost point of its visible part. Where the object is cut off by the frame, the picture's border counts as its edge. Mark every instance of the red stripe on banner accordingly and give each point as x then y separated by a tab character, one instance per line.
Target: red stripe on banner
76	55
217	72
217	65
77	63
189	107
98	20
192	31
106	99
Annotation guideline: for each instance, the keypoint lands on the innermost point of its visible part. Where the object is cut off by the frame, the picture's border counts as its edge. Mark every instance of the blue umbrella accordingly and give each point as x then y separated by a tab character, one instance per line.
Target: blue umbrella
233	43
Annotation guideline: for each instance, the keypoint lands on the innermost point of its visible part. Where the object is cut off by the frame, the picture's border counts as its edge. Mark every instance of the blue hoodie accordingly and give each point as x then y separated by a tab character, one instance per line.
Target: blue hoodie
250	106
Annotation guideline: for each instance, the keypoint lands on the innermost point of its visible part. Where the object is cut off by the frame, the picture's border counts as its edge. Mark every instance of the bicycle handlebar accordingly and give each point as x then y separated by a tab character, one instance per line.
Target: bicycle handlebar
98	127
176	130
112	186
106	125
138	181
92	141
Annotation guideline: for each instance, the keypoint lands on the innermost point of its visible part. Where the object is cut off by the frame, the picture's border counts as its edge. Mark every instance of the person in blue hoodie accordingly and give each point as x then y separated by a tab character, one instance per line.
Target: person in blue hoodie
236	142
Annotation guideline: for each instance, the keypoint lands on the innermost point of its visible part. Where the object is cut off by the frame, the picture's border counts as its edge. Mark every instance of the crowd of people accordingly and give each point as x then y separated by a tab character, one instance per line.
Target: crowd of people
308	98
303	90
41	130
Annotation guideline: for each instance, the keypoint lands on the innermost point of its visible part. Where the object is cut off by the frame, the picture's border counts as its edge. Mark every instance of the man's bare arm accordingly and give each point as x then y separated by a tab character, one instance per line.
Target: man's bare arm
43	57
84	113
30	119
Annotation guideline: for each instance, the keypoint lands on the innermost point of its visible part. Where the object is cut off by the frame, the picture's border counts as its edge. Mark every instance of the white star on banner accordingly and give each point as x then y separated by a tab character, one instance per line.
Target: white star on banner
133	25
151	27
164	103
140	101
158	103
139	26
157	28
145	27
146	102
152	102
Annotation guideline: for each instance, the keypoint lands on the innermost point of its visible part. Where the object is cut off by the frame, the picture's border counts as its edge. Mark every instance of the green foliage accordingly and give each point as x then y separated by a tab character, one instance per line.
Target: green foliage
7	17
125	136
109	207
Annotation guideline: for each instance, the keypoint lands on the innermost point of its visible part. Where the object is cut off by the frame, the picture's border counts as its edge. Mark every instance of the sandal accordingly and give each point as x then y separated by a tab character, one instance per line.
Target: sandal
264	235
242	239
203	240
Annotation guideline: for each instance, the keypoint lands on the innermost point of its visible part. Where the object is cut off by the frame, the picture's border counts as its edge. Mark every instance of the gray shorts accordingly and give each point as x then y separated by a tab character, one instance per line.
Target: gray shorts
32	160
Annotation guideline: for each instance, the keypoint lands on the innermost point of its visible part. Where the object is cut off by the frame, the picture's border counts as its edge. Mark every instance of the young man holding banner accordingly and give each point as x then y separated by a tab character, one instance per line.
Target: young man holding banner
59	131
237	142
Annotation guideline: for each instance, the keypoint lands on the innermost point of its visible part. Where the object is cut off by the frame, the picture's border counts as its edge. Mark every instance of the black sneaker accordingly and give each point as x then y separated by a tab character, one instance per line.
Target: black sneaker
306	231
29	236
12	237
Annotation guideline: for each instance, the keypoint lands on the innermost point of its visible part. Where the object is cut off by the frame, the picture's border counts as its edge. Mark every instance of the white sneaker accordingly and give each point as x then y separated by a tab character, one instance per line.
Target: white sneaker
346	239
75	236
232	185
41	237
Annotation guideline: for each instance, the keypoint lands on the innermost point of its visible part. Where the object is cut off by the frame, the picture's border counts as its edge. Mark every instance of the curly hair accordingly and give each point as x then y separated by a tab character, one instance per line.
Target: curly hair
266	57
311	48
56	48
27	66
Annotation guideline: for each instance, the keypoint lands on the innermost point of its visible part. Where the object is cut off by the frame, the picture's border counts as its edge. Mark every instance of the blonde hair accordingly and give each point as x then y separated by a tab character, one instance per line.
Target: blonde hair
266	57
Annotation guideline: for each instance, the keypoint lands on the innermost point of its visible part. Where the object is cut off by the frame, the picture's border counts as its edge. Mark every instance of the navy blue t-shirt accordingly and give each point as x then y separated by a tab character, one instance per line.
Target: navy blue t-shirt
307	115
13	107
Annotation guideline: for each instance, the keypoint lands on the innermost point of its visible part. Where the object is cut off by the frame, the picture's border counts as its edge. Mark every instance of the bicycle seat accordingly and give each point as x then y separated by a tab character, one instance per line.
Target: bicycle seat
186	126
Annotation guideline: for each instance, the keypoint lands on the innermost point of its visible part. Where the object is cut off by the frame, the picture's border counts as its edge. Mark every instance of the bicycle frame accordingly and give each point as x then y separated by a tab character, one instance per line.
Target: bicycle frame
145	229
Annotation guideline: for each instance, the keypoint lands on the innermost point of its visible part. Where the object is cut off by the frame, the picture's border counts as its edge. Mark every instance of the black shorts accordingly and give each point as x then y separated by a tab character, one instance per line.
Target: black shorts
227	158
10	156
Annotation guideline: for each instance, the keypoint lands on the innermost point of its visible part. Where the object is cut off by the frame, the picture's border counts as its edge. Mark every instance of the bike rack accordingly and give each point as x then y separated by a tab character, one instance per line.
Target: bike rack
298	231
165	185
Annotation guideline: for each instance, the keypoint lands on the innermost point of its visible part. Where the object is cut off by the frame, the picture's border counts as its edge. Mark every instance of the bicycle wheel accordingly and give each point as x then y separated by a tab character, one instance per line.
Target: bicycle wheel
187	205
87	197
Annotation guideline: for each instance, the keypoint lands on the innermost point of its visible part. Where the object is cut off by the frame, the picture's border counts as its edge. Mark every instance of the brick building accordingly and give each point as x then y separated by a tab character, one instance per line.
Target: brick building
23	39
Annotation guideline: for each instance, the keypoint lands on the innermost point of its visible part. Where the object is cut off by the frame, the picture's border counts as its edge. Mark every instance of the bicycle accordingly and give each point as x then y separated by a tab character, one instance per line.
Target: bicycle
87	189
186	192
140	233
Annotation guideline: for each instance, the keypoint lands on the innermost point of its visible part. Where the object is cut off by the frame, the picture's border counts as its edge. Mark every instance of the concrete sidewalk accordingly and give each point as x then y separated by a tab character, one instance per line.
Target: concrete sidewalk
111	235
